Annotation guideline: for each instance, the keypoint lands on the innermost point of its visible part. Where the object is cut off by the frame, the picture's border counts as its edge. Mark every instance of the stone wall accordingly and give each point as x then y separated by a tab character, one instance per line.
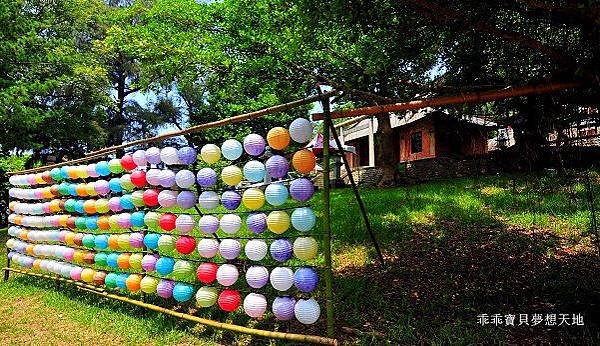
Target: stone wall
445	167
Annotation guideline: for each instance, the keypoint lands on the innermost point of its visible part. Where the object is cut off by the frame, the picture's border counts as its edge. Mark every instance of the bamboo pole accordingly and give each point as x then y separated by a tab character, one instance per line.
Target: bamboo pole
465	98
327	221
314	339
223	122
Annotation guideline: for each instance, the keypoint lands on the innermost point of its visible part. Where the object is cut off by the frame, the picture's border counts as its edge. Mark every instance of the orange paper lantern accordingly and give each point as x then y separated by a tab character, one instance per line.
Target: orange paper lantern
304	161
278	138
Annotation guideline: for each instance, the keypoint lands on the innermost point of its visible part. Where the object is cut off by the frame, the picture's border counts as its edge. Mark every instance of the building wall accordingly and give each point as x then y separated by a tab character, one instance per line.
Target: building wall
427	129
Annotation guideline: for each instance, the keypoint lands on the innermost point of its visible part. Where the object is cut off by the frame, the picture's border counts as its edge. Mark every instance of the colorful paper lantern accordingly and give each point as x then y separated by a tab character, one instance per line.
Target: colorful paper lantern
167	198
186	155
183	292
123	261
122	281
75	273
307	311
126	183
231	200
136	240
164	288
230	248
253	198
87	275
169	156
256	222
303	219
151	240
185	178
114	203
306	279
301	130
277	166
126	202
229	300
133	282
153	176
207	272
183	270
166	243
139	158
282	278
115	185
89	189
283	308
208	248
151	219
138	178
135	261
167	221
278	138
305	248
257	276
281	250
88	240
113	241
164	265
88	257
114	165
184	223
137	198
186	199
231	175
148	284
227	274
149	262
206	296
254	171
302	189
256	249
210	153
304	161
185	245
150	197
137	219
208	200
276	194
112	260
208	224
231	149
124	220
254	144
166	178
278	221
110	281
206	177
101	241
102	206
127	162
103	223
153	155
230	223
100	259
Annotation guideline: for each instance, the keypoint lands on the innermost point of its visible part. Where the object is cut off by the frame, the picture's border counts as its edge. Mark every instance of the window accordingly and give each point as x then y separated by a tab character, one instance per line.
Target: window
416	142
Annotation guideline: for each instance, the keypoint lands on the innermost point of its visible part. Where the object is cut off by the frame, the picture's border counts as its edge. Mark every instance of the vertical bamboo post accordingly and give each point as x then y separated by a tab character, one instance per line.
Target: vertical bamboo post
327	219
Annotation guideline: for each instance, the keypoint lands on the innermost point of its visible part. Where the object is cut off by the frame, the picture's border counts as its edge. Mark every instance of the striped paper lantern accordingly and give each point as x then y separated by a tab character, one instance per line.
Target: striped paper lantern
230	223
227	274
282	278
230	248
303	219
256	249
257	276
255	305
208	224
232	149
307	311
206	296
283	308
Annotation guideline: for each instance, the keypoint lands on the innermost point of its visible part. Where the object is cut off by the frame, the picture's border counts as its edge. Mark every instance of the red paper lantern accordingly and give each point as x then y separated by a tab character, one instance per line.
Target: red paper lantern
138	178
47	178
78	239
167	221
185	245
150	197
229	300
207	272
71	222
127	162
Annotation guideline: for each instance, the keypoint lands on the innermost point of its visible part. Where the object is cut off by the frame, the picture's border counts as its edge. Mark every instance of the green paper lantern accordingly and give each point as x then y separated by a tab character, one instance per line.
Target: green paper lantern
206	296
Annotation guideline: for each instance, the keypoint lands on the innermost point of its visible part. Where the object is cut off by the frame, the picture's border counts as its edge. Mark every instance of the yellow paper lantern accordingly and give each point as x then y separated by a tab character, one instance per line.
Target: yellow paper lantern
87	275
113	222
278	221
89	188
253	198
278	138
47	193
210	153
62	220
124	241
78	256
55	205
113	242
69	238
81	172
39	179
305	248
231	175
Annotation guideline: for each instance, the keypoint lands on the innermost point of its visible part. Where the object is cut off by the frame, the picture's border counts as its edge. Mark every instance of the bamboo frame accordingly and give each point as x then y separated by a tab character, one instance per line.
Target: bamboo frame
193	129
465	98
314	339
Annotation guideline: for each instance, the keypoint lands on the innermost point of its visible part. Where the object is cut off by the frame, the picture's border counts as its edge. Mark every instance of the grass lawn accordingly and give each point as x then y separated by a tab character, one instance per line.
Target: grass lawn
454	249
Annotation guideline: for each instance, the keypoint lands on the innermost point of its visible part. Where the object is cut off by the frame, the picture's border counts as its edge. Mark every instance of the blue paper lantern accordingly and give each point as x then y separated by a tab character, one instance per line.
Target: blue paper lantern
231	149
183	292
115	185
112	260
281	250
65	174
303	219
186	155
102	168
151	240
137	219
306	279
254	171
126	202
164	265
79	206
122	281
276	194
231	200
101	241
91	223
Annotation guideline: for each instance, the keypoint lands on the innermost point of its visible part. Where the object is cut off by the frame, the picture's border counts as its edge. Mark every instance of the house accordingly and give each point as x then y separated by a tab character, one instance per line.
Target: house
426	134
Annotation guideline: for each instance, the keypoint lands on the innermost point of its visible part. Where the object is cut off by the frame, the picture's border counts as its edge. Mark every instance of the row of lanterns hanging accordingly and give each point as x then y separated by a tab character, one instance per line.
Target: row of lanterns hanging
101	223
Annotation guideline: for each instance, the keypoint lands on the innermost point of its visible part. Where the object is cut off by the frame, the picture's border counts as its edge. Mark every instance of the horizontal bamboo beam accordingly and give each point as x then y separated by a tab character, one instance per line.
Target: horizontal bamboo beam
223	122
313	339
464	98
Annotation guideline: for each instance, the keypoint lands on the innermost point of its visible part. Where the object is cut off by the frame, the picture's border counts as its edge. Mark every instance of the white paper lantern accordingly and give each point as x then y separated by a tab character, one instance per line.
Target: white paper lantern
230	248
230	223
301	130
227	274
307	311
256	249
232	149
185	178
184	223
169	156
208	247
255	305
153	176
282	278
257	276
208	224
139	158
208	200
167	198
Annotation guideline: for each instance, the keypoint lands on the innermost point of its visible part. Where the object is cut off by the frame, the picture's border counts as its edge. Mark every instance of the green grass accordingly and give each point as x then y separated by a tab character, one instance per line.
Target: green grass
454	249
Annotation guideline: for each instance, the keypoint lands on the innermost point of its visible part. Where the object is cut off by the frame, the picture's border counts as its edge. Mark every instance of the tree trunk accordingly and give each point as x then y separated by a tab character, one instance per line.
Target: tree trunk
530	133
385	151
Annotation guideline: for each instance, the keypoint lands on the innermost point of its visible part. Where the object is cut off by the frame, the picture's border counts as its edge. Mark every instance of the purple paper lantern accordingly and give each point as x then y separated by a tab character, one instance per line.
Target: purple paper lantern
136	240
153	155
302	189
186	199
281	250
167	198
257	222
101	187
208	224
139	158
149	262
306	279
254	144
153	176
187	155
166	178
114	204
277	166
283	308
206	177
231	200
165	288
